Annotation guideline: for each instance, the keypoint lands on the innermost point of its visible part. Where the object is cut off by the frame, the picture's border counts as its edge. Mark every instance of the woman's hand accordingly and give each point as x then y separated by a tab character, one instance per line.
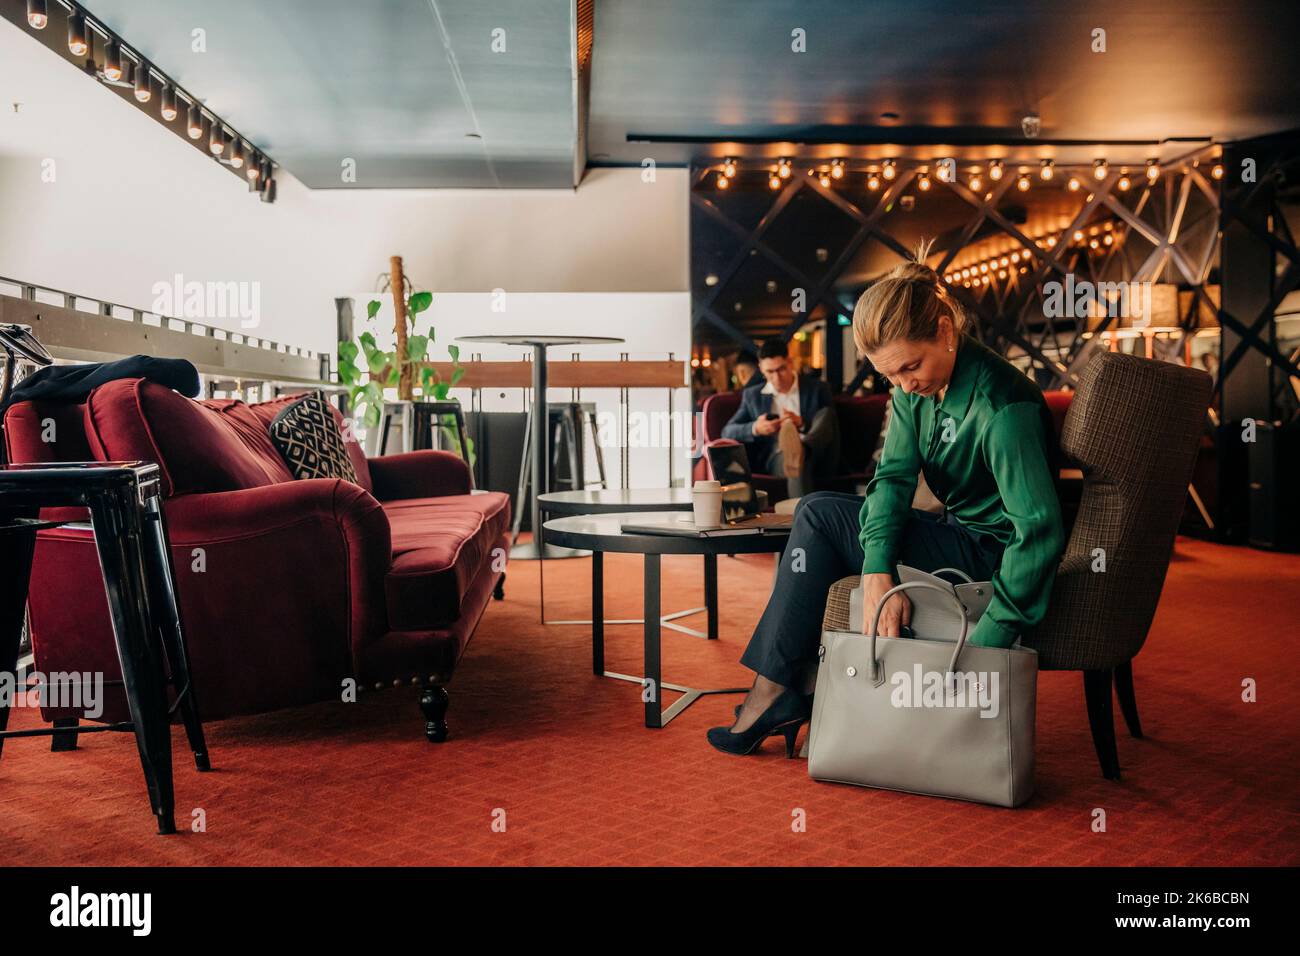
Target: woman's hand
897	612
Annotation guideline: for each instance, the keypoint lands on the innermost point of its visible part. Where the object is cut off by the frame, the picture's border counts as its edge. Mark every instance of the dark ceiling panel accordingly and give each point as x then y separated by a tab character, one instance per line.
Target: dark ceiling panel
410	89
950	70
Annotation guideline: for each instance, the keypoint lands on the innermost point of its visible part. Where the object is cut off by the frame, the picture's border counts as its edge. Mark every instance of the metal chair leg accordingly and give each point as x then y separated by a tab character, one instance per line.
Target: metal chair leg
165	613
119	538
15	573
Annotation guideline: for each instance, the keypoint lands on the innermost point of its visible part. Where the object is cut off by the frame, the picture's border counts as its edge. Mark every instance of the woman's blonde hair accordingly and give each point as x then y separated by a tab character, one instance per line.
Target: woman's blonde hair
905	304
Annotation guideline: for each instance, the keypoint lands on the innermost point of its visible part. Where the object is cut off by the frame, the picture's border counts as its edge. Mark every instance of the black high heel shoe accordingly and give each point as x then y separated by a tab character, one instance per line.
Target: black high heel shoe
783	717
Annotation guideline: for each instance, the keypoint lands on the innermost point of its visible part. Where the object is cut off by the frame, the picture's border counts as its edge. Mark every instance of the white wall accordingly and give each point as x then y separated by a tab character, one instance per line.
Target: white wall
131	205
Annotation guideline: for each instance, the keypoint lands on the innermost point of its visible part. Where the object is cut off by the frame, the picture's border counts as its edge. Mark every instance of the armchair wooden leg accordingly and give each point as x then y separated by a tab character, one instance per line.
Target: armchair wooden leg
1101	717
433	702
1127	702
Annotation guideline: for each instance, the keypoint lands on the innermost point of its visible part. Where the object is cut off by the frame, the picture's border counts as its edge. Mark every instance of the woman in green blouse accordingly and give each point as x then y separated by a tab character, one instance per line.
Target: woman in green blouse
981	433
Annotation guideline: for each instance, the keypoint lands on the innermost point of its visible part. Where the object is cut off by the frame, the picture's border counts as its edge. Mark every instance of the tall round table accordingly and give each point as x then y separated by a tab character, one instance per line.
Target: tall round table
601	533
540	439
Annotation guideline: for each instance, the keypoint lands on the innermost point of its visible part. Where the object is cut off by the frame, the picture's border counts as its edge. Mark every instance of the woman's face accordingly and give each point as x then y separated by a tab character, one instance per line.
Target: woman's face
918	368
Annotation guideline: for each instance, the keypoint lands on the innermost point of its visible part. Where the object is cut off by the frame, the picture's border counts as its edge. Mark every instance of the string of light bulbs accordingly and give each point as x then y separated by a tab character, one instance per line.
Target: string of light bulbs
123	65
887	170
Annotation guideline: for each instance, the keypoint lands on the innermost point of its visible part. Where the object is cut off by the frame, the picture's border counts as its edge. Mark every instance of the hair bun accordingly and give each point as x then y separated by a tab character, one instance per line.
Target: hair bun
916	270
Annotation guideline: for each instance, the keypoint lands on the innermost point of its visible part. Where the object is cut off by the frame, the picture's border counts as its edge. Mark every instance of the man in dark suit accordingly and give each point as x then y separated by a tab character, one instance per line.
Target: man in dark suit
787	423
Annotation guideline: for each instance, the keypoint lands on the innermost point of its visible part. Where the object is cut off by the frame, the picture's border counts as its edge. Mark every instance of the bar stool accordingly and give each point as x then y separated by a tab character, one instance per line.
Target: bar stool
126	515
421	423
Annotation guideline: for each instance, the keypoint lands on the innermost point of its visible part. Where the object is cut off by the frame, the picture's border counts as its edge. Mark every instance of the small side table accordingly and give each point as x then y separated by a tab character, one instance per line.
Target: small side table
125	504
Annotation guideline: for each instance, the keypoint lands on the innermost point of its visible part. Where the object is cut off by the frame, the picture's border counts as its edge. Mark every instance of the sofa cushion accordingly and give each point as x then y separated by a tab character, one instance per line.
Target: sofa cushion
439	547
265	412
310	441
199	446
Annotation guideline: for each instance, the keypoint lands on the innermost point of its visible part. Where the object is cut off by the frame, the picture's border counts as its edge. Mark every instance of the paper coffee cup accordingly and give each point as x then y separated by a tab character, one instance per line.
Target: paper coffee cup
706	497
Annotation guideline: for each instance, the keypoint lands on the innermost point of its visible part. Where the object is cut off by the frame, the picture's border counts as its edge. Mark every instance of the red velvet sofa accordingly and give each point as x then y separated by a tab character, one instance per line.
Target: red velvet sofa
288	588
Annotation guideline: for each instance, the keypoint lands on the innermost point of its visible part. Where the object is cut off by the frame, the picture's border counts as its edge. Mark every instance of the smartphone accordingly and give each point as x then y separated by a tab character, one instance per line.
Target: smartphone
771	417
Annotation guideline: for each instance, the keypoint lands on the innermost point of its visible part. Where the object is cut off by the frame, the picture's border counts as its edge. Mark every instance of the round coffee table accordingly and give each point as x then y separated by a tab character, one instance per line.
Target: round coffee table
602	533
600	501
622	501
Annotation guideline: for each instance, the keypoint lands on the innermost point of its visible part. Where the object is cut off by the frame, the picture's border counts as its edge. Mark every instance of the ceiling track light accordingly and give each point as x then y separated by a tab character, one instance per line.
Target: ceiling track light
1123	183
217	142
237	153
774	181
254	168
77	42
995	170
923	183
1046	170
143	84
194	126
837	169
38	14
1153	170
1022	183
1099	169
889	170
112	61
167	106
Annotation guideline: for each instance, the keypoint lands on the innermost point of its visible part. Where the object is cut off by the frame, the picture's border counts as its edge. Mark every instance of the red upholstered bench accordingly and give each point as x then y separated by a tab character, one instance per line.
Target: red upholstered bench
288	588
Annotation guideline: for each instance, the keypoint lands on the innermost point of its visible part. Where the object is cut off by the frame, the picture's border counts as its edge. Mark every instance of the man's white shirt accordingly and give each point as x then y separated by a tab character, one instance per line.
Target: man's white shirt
784	401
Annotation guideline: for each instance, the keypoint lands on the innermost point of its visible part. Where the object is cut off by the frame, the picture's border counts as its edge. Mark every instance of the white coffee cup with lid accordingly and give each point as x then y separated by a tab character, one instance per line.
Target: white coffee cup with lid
706	497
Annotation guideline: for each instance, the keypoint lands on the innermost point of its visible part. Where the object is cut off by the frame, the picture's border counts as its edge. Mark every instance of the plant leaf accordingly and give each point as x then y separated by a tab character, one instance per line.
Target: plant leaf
457	375
452	350
417	347
372	307
418	302
347	351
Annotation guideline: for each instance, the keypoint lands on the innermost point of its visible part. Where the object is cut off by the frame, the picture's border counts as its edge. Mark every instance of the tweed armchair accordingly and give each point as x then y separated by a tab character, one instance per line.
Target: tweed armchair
1133	428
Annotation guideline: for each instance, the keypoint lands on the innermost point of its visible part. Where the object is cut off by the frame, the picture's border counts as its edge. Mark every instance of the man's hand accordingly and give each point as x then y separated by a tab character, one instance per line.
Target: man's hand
897	612
791	416
767	426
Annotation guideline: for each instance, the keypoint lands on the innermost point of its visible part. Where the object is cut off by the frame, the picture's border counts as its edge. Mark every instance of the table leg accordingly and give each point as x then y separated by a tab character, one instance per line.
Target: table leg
167	617
598	612
653	664
711	593
115	517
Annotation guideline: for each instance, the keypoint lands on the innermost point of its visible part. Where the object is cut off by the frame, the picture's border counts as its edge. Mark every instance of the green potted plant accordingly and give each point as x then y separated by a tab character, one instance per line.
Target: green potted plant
367	370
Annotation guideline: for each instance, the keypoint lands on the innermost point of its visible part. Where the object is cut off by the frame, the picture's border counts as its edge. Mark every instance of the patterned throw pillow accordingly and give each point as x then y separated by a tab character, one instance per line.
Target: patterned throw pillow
308	439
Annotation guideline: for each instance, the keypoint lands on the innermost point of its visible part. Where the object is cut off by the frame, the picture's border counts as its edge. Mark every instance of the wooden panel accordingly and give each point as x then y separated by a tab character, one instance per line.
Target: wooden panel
74	335
649	374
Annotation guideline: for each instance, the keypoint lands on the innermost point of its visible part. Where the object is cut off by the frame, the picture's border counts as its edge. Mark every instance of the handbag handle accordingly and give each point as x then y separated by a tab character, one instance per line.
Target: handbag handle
876	671
957	571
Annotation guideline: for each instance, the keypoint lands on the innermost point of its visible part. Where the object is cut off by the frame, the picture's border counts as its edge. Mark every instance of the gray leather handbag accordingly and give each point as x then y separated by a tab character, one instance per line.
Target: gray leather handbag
899	714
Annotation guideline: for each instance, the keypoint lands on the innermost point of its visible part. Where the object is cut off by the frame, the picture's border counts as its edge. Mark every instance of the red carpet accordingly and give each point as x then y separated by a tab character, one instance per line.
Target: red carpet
564	756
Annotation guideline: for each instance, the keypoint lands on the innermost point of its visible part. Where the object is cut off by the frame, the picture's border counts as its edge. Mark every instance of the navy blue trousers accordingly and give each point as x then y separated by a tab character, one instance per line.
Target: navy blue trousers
824	544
